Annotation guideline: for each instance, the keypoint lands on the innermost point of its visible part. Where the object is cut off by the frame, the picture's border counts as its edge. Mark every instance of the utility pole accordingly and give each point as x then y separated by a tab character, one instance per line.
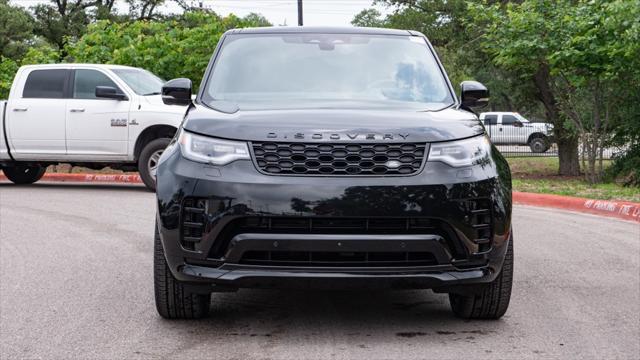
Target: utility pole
299	12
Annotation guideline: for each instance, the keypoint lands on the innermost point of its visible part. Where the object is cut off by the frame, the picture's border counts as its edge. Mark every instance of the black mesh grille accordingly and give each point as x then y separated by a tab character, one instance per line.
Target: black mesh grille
345	225
338	259
338	159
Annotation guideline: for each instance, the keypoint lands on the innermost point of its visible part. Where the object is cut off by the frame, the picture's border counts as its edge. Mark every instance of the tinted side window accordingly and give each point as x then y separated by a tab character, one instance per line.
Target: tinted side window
45	84
490	119
508	119
85	82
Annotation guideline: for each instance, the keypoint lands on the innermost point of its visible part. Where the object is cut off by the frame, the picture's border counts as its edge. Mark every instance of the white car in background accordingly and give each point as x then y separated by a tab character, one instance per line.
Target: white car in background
510	128
85	115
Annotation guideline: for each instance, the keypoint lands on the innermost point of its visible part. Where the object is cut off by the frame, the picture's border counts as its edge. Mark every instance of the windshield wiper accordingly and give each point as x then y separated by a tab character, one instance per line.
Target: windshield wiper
152	93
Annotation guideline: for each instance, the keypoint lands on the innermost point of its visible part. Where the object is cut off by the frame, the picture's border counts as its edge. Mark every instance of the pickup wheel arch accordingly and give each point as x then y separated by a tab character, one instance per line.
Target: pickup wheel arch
536	135
538	142
151	133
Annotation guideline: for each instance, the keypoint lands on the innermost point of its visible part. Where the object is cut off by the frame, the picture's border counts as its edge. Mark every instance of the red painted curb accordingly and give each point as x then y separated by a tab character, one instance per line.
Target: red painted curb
100	178
619	209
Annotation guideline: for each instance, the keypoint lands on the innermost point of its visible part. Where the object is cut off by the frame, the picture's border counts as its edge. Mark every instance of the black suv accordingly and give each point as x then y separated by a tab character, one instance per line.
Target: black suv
331	158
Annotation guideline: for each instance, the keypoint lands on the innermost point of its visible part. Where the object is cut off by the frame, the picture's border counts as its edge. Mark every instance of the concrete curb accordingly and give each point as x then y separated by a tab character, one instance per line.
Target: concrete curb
619	209
99	178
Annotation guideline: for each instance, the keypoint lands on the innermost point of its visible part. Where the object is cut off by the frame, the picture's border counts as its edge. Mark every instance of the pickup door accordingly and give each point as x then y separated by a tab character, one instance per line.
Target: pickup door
95	126
35	118
512	133
494	129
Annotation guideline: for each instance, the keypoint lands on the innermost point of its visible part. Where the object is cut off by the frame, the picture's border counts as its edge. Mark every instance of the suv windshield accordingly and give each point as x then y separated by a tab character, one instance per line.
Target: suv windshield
298	70
142	82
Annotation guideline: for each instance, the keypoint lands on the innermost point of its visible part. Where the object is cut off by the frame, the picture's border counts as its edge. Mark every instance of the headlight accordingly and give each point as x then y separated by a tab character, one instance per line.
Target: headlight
211	150
460	153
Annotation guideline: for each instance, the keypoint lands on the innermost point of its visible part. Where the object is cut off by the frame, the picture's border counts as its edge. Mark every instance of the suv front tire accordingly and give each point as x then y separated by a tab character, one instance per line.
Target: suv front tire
173	298
493	300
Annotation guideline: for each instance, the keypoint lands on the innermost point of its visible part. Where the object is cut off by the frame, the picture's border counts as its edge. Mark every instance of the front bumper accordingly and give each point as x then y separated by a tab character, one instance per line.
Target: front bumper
442	228
230	277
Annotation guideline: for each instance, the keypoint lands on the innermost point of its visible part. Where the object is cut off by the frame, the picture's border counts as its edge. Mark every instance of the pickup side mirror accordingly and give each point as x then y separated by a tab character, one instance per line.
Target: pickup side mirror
518	123
109	92
473	94
177	92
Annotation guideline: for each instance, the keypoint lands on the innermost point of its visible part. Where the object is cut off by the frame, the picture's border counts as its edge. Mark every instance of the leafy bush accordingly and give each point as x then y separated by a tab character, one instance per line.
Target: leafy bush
8	69
626	167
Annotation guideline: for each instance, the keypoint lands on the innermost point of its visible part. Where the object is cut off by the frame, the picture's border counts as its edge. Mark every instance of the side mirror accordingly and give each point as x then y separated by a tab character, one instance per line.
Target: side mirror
109	92
518	124
473	94
177	92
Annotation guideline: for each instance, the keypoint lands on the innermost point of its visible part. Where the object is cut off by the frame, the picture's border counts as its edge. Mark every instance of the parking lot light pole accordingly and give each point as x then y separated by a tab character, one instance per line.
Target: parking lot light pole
299	12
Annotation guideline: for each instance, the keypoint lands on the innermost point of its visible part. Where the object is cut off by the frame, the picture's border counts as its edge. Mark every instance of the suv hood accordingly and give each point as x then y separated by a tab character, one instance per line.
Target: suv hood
334	125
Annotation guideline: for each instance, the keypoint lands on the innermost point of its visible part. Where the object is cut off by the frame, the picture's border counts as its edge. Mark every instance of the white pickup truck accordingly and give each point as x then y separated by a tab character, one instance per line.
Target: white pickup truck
86	115
510	128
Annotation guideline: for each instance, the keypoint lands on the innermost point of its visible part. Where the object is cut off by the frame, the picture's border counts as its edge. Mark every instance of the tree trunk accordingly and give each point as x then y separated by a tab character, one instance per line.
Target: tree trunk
507	101
567	141
568	156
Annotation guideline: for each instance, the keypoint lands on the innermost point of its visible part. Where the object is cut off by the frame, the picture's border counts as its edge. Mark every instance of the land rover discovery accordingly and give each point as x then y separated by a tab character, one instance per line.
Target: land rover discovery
331	158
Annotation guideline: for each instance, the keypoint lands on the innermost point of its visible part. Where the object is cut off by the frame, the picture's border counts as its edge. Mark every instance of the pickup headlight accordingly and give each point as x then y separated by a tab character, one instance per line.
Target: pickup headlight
211	150
460	153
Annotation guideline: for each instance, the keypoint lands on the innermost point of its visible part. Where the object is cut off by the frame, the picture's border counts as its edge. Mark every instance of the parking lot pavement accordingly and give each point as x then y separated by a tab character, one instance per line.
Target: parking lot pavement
76	282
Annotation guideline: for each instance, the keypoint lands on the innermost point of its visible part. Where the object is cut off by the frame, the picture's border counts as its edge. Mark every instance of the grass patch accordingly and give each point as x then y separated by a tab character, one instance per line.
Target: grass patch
536	166
579	188
540	175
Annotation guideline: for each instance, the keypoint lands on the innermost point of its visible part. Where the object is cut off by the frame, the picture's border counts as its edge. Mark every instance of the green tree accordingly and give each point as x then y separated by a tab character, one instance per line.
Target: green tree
580	55
16	30
176	47
519	38
61	20
443	21
451	29
8	68
458	36
596	62
368	18
144	9
256	20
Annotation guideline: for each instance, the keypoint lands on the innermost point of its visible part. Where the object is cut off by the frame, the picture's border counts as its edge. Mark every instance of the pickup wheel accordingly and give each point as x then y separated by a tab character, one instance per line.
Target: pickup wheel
148	161
539	144
493	300
24	174
173	299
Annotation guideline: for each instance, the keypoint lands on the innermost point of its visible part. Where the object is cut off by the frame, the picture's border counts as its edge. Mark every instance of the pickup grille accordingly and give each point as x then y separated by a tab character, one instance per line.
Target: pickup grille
332	159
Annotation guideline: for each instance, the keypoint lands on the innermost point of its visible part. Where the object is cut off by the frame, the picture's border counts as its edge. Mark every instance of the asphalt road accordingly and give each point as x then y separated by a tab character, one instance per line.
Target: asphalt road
76	282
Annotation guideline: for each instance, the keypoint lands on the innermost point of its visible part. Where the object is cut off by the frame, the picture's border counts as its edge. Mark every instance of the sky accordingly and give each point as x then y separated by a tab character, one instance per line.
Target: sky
278	12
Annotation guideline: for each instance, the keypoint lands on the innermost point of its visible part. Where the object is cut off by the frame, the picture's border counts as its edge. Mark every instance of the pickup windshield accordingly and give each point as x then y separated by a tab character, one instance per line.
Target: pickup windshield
264	71
142	82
